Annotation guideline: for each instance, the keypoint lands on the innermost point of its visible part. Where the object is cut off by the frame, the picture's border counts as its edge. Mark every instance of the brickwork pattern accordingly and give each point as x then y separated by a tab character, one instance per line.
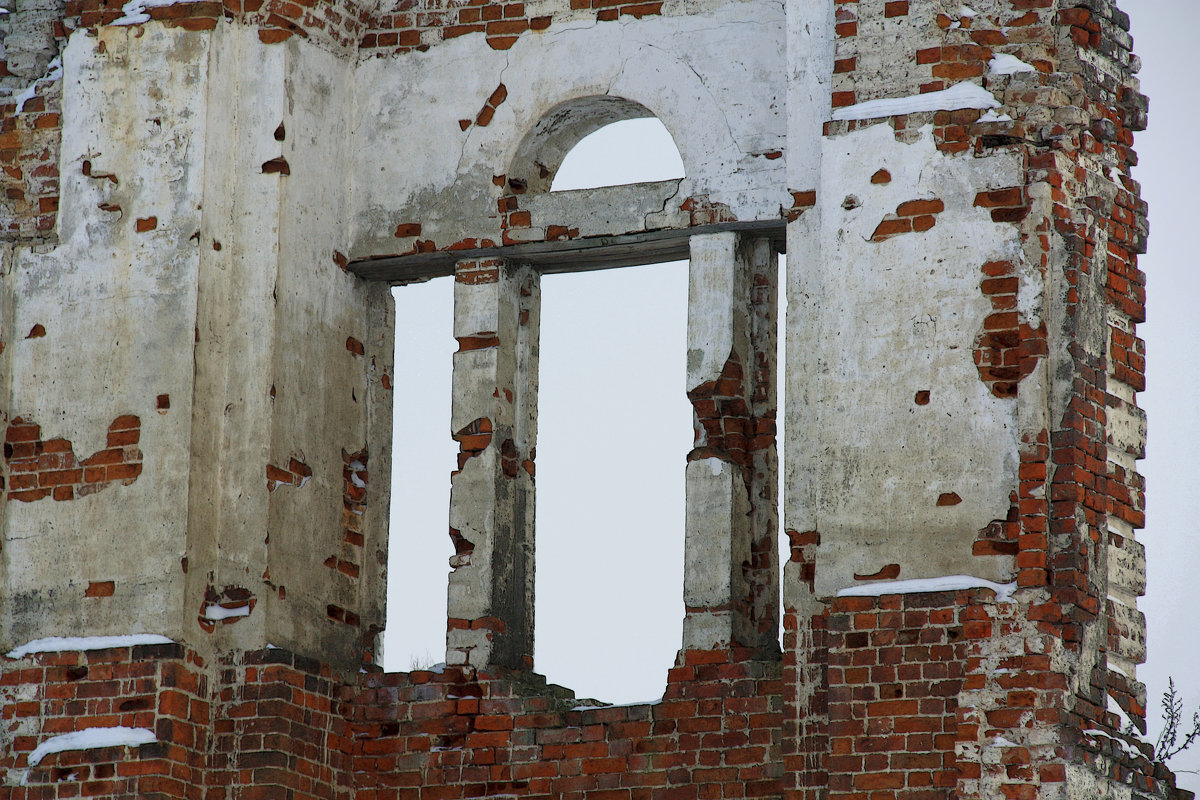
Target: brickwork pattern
268	724
914	216
38	468
896	667
277	732
159	688
1007	350
29	139
714	734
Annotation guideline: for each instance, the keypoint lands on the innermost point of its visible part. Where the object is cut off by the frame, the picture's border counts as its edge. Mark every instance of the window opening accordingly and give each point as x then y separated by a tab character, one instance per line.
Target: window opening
614	429
629	151
610	488
785	548
423	455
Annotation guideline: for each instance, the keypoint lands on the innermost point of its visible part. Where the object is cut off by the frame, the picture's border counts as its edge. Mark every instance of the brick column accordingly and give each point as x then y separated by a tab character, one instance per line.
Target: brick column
494	420
731	572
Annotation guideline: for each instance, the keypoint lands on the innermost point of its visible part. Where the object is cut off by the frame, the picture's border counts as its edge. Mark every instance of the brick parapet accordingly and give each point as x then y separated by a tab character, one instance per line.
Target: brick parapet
924	692
266	723
715	733
162	689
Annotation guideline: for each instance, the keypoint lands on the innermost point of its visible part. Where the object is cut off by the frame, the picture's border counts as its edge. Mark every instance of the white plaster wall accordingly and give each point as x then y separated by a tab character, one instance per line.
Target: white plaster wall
235	291
239	255
872	323
326	398
716	80
119	311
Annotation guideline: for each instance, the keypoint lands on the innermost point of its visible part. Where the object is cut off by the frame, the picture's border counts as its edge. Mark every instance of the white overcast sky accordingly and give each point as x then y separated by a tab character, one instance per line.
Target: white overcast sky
615	425
1169	171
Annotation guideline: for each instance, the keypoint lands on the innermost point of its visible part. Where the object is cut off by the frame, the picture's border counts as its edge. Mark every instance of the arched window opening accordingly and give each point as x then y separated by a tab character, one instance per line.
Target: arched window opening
630	151
571	383
614	428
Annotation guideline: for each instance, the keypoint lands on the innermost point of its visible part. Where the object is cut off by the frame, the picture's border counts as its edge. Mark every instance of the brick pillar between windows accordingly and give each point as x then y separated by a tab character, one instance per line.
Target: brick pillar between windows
731	572
494	421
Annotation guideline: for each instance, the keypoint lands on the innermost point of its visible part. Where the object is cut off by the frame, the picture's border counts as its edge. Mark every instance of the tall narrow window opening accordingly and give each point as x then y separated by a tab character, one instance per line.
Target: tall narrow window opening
423	455
614	429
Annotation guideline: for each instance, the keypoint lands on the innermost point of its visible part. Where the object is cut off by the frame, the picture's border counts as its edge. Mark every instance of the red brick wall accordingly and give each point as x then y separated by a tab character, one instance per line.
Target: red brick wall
29	184
38	468
715	734
269	724
156	687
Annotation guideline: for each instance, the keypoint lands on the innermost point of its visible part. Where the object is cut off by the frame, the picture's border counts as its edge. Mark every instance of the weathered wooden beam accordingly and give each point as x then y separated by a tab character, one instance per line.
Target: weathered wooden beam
574	255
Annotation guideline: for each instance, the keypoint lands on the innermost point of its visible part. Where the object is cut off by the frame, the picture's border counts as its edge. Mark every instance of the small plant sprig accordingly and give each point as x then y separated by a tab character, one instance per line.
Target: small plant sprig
1169	742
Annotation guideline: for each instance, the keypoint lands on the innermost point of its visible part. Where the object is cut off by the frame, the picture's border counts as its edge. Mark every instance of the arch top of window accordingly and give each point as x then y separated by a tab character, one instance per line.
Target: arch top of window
542	151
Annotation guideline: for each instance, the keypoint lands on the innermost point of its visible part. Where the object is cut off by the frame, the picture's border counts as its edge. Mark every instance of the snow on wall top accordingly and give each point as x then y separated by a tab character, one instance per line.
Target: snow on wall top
90	738
945	583
59	644
960	95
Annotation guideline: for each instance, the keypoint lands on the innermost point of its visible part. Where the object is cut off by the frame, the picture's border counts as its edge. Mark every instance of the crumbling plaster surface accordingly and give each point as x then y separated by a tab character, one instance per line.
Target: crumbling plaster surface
317	374
118	307
878	323
239	250
492	494
724	116
219	286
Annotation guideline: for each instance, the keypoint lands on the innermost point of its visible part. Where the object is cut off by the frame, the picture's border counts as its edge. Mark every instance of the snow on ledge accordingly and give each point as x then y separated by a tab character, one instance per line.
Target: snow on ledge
54	71
960	95
1004	64
91	738
946	583
59	644
215	612
134	12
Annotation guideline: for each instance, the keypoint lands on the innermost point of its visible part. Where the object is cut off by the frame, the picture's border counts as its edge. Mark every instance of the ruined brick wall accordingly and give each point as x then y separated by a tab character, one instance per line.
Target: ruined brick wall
156	688
1071	114
268	723
1014	189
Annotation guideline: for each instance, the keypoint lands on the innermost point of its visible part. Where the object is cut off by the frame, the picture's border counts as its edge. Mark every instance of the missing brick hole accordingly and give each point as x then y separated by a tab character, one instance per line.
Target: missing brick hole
991	140
887	573
948	499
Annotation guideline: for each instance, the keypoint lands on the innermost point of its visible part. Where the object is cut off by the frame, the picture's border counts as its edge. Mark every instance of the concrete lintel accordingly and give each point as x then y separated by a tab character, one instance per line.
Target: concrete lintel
575	255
